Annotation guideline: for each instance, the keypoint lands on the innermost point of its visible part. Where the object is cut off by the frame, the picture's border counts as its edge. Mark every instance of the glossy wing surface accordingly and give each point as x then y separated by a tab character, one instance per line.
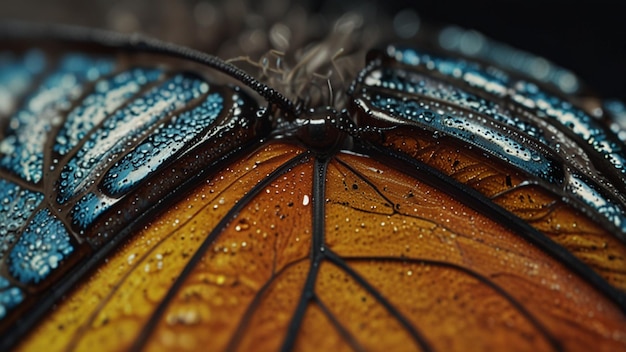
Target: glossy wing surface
94	139
520	146
466	207
397	261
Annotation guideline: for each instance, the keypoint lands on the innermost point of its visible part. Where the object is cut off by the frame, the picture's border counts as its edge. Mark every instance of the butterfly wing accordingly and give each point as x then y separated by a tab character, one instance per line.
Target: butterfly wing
95	138
528	150
441	230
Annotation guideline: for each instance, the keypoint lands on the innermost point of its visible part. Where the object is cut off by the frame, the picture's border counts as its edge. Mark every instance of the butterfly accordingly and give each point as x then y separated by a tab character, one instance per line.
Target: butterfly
155	197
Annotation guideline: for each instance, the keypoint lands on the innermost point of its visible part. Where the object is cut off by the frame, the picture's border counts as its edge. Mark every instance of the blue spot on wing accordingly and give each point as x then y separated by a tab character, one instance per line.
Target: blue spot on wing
577	121
147	157
126	125
21	150
107	97
16	206
40	249
161	146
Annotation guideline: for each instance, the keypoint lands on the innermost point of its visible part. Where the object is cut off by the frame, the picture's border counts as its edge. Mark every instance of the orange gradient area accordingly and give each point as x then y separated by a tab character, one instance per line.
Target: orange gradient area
319	332
466	279
543	210
359	313
109	310
403	266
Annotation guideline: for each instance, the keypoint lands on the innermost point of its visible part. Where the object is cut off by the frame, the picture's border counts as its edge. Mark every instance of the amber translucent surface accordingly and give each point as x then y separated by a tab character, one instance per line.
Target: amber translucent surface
459	277
255	254
543	210
399	265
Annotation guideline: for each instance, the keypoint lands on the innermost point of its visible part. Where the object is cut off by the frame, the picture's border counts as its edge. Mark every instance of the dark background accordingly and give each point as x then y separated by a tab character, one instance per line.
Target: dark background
587	37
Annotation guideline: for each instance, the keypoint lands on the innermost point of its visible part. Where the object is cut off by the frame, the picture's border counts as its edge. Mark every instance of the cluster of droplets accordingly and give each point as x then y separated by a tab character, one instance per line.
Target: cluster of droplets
88	208
22	149
580	123
16	206
471	129
414	83
123	128
462	126
10	296
162	145
40	249
524	93
108	96
593	198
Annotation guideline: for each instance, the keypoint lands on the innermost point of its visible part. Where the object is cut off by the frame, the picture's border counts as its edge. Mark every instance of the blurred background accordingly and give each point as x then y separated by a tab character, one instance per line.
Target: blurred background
588	38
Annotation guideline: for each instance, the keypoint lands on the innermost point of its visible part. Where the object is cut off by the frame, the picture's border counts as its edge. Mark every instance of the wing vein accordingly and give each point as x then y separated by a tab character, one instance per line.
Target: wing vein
415	334
519	306
149	328
488	207
317	252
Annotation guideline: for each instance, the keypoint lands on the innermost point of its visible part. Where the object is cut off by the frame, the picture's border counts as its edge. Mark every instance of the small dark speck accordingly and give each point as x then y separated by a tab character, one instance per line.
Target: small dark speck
508	181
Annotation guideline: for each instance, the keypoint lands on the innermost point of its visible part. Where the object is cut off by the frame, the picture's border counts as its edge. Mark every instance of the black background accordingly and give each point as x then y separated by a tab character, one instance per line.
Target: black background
589	38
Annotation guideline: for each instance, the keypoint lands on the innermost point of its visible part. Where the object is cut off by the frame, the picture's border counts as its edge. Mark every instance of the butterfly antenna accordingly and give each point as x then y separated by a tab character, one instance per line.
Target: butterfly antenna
333	61
331	97
263	64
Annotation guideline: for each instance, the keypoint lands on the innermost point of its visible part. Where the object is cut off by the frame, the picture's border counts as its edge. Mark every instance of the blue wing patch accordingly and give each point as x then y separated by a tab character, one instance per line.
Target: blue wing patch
162	145
125	125
40	249
16	207
518	137
22	149
527	94
107	97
